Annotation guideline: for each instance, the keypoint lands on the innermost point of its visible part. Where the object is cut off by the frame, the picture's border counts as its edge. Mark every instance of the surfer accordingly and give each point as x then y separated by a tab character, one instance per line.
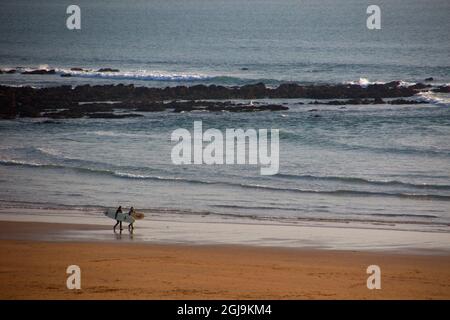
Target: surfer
130	226
119	210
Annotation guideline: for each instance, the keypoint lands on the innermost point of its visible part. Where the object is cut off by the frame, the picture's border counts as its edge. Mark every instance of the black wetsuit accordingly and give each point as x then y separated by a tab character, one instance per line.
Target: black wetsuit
118	222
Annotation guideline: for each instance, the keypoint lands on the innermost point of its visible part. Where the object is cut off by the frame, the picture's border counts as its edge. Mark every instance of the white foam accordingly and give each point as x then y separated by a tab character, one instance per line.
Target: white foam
49	151
434	98
132	176
364	82
153	75
20	162
44	67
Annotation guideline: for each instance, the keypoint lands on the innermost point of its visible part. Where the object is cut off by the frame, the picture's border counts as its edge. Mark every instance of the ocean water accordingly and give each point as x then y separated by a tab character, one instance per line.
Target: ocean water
168	42
379	164
370	164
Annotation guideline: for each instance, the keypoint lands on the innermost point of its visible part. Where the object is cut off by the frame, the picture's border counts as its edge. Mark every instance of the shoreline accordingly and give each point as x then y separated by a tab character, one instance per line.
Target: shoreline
74	224
53	232
31	269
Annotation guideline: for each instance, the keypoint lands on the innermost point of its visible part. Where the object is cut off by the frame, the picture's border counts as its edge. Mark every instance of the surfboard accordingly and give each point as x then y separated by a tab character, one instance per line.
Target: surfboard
111	213
138	215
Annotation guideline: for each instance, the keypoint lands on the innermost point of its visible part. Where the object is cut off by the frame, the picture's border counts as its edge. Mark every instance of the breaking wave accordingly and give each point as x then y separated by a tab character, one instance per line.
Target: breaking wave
130	175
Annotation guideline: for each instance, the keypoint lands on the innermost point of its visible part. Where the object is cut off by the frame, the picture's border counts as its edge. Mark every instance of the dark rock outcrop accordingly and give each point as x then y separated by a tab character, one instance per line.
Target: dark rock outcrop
65	114
10	71
442	89
420	86
108	70
40	71
113	115
8	108
403	101
350	102
367	101
32	101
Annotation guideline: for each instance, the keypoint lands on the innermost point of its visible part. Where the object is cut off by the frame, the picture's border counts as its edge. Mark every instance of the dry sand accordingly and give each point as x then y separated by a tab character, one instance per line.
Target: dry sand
32	269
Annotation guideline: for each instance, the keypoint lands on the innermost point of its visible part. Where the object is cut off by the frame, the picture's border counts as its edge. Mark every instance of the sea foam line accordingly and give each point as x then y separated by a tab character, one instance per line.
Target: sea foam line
137	75
340	192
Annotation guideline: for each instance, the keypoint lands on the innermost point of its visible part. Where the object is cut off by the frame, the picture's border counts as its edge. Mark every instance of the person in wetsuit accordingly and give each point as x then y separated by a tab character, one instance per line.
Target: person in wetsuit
119	210
130	226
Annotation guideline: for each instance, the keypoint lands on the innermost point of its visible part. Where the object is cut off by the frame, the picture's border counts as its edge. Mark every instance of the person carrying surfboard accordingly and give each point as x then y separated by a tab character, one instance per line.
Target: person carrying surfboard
130	226
119	210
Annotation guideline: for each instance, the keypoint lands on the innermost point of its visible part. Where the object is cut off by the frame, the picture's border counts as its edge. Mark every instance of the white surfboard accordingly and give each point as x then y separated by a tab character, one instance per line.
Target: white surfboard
111	213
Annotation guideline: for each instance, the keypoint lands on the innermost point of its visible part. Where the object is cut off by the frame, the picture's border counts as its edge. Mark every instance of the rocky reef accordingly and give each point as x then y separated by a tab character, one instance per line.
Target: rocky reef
368	101
100	101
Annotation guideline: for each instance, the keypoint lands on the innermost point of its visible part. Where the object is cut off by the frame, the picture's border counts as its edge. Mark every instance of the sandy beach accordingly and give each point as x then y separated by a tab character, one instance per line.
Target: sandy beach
265	149
31	269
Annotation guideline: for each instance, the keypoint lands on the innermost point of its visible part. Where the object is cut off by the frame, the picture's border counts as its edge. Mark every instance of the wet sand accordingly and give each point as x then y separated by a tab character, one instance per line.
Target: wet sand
31	269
